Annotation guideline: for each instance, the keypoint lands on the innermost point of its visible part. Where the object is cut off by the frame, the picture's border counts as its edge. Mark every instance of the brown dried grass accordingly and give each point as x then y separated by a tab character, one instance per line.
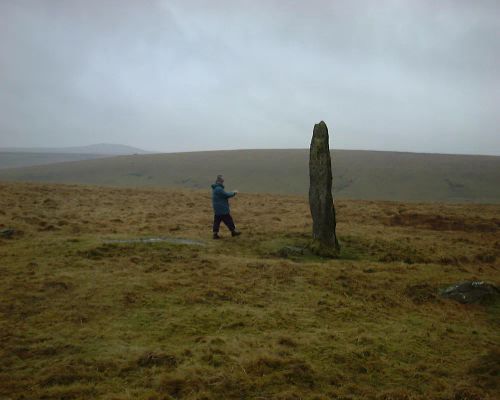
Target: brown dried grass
83	319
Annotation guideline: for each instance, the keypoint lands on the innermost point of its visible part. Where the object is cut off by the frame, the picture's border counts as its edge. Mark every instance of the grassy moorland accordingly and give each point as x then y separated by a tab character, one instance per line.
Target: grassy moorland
81	318
19	159
373	175
24	157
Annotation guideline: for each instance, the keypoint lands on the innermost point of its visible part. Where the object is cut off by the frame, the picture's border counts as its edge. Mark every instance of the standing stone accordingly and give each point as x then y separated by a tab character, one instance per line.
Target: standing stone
325	241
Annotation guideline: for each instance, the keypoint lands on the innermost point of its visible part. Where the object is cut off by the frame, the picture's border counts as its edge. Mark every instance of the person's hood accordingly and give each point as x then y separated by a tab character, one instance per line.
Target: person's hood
217	184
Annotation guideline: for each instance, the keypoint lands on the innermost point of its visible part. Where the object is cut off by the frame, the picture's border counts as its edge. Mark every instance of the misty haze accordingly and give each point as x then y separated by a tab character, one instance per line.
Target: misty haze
172	76
277	200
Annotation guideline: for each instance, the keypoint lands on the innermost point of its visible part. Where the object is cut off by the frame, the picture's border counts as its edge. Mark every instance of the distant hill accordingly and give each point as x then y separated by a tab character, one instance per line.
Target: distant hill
21	159
16	157
100	148
357	174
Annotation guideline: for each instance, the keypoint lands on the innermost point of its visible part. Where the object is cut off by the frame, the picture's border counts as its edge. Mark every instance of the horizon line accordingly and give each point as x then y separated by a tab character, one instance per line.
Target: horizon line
148	152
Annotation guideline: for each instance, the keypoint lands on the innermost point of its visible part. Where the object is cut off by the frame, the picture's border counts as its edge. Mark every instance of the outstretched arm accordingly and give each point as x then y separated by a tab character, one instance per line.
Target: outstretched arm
225	194
229	194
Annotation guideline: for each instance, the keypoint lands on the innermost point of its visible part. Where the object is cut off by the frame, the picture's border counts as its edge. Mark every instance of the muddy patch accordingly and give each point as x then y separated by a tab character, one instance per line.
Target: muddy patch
152	359
9	233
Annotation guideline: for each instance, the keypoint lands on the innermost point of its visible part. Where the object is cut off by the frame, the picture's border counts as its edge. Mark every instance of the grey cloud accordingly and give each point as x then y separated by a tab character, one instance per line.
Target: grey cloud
192	75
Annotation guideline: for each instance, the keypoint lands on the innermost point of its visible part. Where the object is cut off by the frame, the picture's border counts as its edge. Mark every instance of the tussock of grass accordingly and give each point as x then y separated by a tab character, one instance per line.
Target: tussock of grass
81	318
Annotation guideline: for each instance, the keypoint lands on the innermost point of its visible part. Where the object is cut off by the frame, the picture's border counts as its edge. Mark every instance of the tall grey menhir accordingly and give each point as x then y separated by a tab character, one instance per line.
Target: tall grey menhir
320	194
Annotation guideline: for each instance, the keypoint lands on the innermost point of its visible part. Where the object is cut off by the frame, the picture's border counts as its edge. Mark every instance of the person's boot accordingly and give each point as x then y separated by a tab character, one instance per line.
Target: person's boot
235	233
216	235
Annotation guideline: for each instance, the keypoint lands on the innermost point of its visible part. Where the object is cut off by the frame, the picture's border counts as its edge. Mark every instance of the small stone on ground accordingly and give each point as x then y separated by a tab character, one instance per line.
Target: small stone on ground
471	292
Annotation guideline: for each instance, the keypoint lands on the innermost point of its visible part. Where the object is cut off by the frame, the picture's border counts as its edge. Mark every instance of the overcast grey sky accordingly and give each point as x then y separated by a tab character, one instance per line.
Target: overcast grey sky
186	75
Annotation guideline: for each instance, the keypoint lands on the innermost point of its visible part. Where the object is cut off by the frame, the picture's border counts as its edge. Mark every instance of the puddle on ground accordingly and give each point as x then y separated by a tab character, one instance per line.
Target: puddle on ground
157	240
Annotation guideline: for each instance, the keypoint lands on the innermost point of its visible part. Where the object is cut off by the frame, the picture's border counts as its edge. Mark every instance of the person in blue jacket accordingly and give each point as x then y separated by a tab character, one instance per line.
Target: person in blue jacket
221	207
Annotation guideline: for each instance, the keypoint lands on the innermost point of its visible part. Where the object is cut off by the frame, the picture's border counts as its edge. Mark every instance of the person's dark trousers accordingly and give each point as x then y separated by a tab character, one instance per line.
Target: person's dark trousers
227	219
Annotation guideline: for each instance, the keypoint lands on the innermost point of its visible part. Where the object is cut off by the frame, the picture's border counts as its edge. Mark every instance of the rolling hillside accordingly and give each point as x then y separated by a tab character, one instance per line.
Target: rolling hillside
18	157
98	148
27	159
357	174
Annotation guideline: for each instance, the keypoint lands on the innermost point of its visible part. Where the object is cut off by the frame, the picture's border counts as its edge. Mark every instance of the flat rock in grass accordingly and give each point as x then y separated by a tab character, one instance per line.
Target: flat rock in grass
471	292
290	251
158	240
